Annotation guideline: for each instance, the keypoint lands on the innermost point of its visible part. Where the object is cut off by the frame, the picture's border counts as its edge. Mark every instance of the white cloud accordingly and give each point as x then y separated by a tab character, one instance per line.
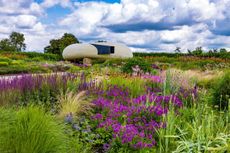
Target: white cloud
26	21
144	25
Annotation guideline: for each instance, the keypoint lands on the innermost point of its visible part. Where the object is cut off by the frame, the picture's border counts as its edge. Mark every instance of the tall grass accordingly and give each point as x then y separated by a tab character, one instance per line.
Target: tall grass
196	128
74	104
30	130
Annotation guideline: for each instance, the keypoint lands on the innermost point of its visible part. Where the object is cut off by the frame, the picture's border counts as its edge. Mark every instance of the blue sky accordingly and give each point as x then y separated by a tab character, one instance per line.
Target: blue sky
143	25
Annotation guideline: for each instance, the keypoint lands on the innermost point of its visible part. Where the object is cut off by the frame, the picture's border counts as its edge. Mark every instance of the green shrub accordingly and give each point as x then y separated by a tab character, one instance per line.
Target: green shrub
74	69
28	68
136	86
112	62
144	65
98	61
16	62
5	59
4	63
221	94
30	55
30	130
13	69
37	59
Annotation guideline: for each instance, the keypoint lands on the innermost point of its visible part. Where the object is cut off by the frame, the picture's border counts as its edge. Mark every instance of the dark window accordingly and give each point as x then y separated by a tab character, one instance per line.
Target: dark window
112	49
102	50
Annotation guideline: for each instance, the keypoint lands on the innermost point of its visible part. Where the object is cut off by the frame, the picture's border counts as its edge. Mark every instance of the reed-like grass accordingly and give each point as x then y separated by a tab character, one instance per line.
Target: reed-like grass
30	130
197	128
74	104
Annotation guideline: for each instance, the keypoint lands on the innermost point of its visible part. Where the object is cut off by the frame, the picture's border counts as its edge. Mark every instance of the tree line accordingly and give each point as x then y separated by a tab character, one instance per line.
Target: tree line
16	43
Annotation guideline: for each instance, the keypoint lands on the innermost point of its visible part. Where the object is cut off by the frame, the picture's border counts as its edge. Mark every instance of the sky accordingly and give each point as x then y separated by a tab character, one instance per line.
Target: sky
143	25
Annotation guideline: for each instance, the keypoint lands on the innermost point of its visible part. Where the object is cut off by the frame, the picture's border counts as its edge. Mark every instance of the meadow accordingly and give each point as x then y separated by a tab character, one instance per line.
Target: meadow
151	103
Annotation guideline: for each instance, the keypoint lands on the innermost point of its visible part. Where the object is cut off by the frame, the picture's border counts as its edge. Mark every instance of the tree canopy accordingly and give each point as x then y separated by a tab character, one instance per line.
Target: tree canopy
15	42
57	45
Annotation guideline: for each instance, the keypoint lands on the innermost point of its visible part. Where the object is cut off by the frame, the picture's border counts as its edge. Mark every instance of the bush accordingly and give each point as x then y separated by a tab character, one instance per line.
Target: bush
4	63
5	59
37	59
98	61
16	62
30	130
221	94
30	55
144	65
112	62
16	69
74	69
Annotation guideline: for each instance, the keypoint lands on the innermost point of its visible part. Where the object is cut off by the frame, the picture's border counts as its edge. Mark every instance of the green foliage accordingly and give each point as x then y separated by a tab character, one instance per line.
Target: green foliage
5	59
77	146
201	129
144	65
4	63
197	129
16	62
30	55
17	40
74	69
114	62
6	45
136	86
30	130
22	68
223	50
222	54
98	61
85	132
197	51
14	43
57	45
37	59
221	93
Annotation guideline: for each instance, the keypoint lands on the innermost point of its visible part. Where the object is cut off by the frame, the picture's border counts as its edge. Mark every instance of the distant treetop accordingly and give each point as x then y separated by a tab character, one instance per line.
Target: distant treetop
57	45
15	42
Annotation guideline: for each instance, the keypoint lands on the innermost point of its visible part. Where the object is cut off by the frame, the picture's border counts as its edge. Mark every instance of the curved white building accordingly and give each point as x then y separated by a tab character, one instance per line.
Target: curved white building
96	50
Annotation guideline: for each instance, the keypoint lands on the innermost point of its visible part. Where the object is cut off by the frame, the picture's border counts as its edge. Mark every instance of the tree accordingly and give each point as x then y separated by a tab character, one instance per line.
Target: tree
5	45
17	41
197	51
57	45
223	50
14	43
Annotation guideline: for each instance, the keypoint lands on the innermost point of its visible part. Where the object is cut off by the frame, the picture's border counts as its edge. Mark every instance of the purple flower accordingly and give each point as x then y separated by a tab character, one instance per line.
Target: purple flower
69	118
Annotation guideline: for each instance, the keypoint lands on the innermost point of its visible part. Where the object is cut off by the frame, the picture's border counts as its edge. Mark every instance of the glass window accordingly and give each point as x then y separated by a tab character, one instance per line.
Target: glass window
103	50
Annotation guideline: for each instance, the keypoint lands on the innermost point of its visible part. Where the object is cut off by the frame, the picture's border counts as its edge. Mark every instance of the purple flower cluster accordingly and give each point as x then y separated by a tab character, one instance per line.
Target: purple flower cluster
154	66
153	78
133	121
18	86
